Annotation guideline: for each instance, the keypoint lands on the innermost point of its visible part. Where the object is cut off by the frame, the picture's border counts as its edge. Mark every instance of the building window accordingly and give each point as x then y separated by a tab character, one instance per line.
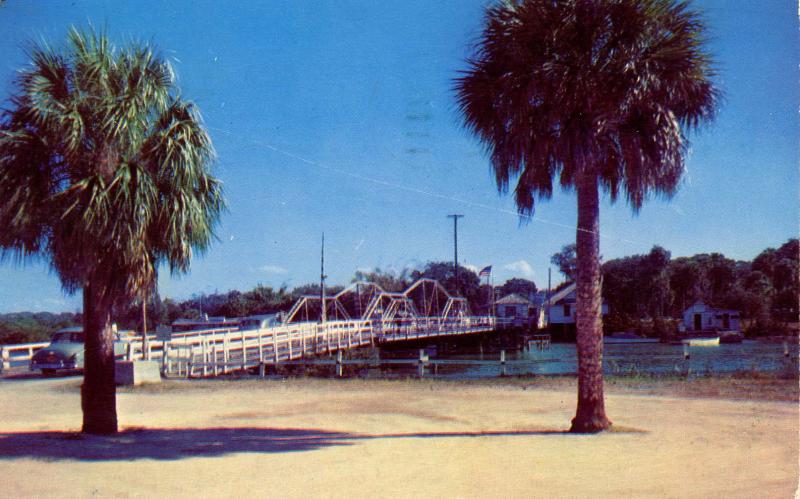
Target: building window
567	311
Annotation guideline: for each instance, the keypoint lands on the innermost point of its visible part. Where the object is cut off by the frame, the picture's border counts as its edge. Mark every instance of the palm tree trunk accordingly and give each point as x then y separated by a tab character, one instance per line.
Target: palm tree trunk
98	392
590	416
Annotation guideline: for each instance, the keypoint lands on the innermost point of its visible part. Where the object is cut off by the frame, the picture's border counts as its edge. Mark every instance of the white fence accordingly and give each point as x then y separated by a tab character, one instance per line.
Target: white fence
218	351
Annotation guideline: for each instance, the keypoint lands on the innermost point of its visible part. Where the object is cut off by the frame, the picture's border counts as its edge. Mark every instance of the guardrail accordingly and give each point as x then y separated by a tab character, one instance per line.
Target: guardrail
212	352
17	356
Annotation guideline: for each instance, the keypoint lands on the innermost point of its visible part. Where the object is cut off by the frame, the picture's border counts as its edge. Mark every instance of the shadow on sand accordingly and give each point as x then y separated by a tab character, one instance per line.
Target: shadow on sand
181	443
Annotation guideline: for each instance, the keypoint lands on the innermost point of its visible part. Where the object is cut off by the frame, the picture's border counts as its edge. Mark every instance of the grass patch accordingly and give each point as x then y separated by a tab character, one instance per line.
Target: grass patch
737	386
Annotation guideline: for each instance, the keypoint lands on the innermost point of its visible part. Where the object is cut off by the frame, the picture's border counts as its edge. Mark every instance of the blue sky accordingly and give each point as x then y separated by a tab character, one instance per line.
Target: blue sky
339	116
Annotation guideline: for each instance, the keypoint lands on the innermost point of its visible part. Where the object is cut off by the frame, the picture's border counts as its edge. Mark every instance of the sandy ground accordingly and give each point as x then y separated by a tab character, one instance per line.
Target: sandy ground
322	438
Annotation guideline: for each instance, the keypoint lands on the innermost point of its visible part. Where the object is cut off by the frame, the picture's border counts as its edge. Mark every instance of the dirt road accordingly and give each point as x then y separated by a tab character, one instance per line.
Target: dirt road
320	438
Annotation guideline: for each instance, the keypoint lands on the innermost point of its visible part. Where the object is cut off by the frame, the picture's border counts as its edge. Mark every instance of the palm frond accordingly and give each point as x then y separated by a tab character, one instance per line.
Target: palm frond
103	168
607	86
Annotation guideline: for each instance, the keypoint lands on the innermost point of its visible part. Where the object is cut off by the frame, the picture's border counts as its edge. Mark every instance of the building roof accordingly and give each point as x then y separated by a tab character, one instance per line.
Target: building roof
563	293
711	309
513	299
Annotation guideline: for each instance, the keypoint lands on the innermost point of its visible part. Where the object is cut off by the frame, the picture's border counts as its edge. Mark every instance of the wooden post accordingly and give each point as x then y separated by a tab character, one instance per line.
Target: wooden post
130	351
275	346
225	352
214	353
204	346
785	348
290	345
422	359
502	362
164	356
349	336
260	348
327	337
339	364
244	352
262	370
686	351
5	363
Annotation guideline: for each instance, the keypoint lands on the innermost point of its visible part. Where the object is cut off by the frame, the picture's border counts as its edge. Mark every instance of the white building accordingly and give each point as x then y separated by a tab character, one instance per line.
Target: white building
519	311
701	317
514	311
562	308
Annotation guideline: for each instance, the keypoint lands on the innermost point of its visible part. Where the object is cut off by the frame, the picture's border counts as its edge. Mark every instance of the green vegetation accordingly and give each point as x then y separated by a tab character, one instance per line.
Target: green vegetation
105	173
761	289
644	291
592	96
28	327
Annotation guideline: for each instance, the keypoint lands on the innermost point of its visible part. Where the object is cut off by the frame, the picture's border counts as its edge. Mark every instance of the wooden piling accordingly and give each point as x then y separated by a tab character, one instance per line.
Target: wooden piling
422	360
165	357
686	351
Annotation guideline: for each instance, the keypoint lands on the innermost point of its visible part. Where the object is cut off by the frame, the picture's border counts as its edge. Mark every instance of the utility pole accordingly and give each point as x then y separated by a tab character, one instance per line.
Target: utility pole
455	218
322	276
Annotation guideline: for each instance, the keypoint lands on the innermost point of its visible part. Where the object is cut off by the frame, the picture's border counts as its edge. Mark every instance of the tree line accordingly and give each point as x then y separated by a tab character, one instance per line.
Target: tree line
30	327
651	287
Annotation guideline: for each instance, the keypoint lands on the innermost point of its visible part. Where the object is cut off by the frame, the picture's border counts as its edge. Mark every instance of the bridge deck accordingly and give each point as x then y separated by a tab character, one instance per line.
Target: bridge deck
217	351
213	352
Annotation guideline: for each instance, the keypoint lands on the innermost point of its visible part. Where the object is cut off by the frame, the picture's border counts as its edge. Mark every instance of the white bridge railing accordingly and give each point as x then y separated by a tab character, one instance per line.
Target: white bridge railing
18	356
218	351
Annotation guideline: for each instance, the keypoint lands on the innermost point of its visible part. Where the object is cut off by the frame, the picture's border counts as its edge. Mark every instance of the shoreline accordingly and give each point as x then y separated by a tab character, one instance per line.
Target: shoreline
740	386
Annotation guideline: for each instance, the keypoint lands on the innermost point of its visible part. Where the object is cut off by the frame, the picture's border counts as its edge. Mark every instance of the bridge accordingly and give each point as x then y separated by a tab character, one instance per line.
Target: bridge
362	314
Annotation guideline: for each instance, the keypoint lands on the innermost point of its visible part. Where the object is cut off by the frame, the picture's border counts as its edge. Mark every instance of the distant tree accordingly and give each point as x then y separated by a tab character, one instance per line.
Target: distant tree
596	94
782	267
687	281
105	172
522	287
314	290
29	327
265	300
387	280
566	261
468	282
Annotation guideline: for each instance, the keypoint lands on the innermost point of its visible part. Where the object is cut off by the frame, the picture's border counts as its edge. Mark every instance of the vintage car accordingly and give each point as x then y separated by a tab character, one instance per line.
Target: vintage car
65	351
261	321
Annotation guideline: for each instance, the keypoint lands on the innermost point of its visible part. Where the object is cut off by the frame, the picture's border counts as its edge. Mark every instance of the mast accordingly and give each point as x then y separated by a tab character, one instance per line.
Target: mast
322	276
455	218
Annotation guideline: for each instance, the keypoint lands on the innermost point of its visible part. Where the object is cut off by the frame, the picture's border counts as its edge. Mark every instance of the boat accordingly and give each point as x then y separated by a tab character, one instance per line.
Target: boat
701	342
731	337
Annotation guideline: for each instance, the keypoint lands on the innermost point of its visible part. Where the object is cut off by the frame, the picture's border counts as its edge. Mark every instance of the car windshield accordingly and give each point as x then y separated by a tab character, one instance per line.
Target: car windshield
68	337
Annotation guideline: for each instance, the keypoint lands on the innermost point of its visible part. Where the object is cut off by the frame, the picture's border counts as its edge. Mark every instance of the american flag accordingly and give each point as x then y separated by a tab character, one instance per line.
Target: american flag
486	271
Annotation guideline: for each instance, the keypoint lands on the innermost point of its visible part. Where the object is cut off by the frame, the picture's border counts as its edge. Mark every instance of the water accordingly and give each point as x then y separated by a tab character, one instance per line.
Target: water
631	358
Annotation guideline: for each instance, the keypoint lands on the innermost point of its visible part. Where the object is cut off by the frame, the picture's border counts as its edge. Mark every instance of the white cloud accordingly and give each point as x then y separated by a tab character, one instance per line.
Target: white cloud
520	267
473	268
273	269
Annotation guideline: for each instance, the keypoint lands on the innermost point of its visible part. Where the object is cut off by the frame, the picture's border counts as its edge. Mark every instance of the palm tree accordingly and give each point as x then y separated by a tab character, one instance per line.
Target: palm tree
596	94
104	171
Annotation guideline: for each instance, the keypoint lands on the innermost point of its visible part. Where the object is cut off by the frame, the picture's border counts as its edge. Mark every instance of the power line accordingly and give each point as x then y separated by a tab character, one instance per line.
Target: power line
416	190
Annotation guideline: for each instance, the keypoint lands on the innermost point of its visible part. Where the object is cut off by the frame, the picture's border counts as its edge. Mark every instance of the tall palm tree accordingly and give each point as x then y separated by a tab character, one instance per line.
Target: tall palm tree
596	94
104	172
